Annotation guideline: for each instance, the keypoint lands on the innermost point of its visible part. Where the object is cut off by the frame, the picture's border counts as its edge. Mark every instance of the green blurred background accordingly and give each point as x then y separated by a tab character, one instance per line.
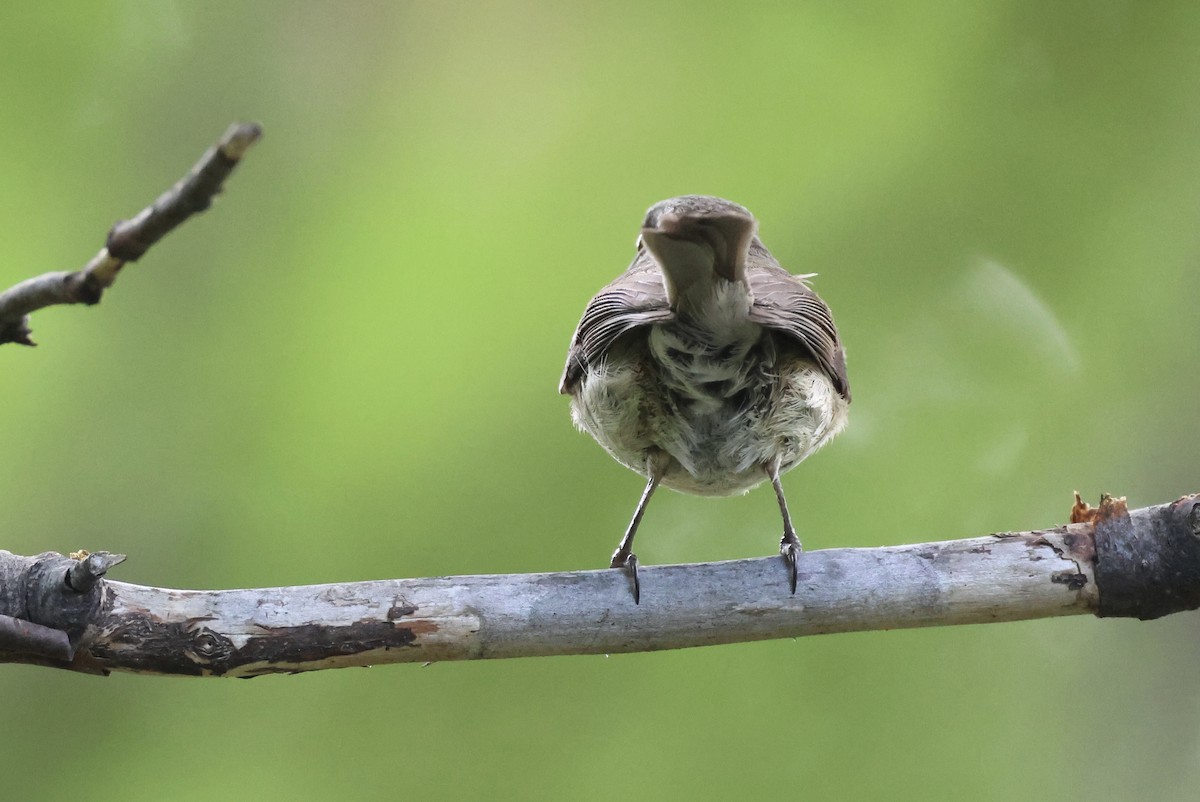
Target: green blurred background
347	370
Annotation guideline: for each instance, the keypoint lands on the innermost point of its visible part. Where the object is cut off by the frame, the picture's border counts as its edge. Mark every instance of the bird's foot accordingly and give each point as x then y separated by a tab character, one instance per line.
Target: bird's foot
790	549
629	562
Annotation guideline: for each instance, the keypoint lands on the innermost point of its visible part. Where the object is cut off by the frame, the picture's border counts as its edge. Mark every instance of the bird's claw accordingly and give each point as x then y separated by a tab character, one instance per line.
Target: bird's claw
790	551
629	562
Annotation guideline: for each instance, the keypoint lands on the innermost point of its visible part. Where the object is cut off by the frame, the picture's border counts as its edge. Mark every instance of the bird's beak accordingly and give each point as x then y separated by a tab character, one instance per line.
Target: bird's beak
727	237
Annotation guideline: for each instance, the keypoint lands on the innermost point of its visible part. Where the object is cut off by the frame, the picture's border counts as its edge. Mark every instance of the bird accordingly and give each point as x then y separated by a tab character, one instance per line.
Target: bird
706	366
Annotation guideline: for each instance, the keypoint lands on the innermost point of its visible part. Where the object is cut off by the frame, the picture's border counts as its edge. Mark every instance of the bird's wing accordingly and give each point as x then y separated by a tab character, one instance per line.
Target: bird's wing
784	303
637	298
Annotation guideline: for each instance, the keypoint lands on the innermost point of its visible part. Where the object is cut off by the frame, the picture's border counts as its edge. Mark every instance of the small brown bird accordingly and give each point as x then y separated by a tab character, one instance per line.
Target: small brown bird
706	367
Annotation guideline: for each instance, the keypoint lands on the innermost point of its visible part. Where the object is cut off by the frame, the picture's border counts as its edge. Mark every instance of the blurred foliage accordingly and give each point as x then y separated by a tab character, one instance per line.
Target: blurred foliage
347	370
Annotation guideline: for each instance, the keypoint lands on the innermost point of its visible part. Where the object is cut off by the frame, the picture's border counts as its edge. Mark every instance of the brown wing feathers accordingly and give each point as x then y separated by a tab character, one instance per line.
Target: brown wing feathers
782	303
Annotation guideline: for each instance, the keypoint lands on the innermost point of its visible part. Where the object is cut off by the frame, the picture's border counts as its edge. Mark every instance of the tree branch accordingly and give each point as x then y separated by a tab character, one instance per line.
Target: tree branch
128	240
1098	564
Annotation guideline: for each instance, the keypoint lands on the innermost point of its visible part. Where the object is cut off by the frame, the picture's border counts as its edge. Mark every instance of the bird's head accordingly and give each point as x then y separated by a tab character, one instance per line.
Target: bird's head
687	234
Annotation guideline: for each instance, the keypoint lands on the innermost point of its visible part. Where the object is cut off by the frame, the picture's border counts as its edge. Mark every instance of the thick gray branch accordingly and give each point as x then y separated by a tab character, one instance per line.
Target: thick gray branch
127	240
115	626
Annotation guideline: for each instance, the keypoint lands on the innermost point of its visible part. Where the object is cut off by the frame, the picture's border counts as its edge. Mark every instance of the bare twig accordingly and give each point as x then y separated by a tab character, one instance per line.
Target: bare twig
127	240
1095	565
34	640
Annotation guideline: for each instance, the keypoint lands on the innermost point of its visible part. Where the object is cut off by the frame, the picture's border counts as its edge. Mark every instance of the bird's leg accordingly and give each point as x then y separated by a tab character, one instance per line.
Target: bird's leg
789	544
624	557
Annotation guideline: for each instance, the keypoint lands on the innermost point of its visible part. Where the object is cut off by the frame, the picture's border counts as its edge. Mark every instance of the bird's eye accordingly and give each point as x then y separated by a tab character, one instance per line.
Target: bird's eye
640	245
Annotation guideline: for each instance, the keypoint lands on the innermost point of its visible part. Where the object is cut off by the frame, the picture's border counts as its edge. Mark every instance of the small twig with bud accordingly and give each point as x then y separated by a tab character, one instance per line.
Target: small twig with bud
128	240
